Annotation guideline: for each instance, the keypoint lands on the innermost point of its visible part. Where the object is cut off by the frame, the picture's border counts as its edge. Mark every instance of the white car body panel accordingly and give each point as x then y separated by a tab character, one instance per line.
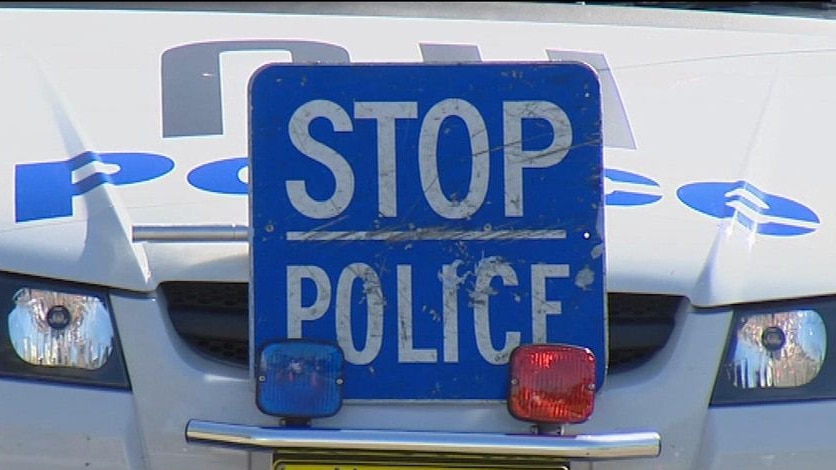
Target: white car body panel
709	98
737	88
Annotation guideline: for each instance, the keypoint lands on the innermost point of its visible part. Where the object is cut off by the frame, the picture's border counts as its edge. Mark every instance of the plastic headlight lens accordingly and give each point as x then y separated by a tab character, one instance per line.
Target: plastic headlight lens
58	329
778	353
778	350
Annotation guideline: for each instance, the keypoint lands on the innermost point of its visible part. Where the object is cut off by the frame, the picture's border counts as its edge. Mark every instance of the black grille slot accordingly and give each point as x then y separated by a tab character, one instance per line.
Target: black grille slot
214	319
640	324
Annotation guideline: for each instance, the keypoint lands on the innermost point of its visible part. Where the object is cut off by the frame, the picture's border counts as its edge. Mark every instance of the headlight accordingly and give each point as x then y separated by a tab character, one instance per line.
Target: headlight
58	332
50	328
778	353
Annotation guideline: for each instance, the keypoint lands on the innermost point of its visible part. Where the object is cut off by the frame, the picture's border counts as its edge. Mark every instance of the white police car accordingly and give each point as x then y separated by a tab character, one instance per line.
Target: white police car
372	236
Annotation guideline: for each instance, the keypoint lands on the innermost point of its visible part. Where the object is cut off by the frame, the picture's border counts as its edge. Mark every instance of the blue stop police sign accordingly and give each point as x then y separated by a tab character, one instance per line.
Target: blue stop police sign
427	219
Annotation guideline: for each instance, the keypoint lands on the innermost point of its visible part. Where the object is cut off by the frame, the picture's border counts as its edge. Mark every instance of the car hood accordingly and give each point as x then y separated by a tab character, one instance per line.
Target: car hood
717	135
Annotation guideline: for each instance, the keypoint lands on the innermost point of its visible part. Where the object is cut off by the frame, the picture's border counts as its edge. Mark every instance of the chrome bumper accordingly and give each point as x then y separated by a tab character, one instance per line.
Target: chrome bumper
597	446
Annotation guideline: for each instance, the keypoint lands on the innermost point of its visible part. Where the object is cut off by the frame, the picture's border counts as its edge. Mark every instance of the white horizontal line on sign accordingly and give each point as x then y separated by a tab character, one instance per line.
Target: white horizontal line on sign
424	234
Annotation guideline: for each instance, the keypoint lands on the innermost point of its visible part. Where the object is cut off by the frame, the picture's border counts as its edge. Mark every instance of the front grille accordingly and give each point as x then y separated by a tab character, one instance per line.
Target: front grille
640	324
213	318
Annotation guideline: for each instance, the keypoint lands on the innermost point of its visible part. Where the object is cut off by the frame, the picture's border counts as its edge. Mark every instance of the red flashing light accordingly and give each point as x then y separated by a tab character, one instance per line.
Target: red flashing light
552	383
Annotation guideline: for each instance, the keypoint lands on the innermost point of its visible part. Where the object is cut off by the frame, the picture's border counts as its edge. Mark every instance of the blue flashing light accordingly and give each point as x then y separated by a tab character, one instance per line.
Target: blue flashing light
299	379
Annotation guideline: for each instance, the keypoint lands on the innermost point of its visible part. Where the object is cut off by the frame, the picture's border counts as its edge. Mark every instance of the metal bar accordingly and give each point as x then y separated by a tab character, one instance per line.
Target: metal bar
593	446
190	233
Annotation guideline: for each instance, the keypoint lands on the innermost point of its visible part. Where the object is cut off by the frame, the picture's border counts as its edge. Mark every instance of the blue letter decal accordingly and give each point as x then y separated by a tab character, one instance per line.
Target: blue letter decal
46	190
220	177
757	210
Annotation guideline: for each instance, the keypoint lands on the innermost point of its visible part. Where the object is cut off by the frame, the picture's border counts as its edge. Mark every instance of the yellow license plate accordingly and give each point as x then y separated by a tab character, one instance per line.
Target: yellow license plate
319	459
278	465
282	466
